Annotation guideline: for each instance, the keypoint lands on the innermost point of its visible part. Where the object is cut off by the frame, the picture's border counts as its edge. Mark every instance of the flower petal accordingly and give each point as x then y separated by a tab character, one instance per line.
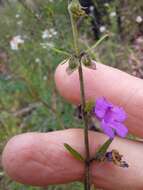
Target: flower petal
101	107
120	129
118	114
107	129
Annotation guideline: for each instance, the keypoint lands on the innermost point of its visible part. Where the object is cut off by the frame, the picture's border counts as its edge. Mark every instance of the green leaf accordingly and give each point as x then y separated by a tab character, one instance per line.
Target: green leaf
58	50
103	149
73	152
97	43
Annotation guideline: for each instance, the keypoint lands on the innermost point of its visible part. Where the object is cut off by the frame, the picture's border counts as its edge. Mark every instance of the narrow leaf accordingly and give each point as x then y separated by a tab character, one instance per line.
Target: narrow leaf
58	50
73	152
103	149
97	43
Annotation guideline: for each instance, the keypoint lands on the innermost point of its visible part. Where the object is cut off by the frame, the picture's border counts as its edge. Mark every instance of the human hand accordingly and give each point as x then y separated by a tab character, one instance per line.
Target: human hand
41	159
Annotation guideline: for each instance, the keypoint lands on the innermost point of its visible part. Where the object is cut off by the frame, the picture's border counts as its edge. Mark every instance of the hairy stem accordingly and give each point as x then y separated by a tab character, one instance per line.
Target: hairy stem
83	102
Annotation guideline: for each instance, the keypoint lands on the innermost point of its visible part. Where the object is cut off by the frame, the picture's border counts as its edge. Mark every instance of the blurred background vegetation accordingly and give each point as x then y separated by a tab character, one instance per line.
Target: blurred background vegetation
31	34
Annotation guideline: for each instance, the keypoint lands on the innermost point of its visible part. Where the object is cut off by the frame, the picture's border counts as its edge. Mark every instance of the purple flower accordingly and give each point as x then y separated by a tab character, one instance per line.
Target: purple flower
111	117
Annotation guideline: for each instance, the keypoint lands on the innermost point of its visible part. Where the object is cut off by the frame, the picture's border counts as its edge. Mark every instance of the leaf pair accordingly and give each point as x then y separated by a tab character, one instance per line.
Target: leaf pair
98	156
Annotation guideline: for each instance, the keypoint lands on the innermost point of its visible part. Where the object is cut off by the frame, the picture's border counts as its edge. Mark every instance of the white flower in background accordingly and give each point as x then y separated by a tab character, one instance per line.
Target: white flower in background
112	14
106	4
17	15
20	22
91	8
38	15
47	45
15	42
139	19
102	29
53	31
51	1
45	34
45	78
49	33
37	60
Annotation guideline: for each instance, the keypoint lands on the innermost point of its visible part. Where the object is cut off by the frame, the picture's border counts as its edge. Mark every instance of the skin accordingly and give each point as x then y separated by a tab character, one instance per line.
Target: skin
41	159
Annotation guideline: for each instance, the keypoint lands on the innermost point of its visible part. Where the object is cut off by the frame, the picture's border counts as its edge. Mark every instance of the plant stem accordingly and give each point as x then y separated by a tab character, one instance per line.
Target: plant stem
75	33
83	102
86	139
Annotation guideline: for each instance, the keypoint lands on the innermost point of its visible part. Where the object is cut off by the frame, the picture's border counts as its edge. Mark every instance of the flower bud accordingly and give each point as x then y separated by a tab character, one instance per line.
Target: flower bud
76	9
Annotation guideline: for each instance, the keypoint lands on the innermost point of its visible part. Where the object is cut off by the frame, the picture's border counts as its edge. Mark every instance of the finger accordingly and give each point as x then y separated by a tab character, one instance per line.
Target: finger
118	87
41	159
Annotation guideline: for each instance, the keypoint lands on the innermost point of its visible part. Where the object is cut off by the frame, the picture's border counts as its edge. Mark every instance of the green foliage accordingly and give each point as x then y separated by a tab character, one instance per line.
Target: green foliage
73	152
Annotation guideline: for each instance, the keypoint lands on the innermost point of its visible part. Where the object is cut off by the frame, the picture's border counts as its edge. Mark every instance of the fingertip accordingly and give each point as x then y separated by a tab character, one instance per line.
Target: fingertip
17	157
40	159
67	83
